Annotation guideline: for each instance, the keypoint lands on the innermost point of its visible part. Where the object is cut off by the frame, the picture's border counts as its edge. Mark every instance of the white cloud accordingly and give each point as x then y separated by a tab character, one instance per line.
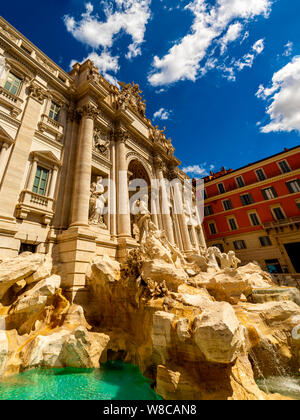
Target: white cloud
130	16
183	61
288	49
284	95
233	33
162	114
248	59
198	170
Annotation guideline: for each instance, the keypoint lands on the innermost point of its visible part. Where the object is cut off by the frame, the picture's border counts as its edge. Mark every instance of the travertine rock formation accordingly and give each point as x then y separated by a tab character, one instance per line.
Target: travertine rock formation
194	331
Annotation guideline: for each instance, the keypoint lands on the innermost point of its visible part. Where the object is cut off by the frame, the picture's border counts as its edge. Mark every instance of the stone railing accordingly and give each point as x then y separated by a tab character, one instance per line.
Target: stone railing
13	102
52	126
31	202
282	223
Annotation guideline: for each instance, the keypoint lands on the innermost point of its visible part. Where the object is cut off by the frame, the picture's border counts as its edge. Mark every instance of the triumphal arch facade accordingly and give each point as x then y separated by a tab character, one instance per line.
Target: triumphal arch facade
72	146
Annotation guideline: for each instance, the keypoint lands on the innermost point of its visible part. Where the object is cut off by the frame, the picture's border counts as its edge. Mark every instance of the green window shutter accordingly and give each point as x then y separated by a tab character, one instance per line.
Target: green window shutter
40	181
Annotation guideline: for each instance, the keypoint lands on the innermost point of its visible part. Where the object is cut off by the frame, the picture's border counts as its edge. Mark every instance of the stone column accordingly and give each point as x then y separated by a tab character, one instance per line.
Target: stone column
63	203
112	201
123	212
13	178
81	193
178	198
195	239
165	209
4	153
53	182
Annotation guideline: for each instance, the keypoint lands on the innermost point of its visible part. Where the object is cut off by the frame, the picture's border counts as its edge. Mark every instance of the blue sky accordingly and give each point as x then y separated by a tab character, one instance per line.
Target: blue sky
223	76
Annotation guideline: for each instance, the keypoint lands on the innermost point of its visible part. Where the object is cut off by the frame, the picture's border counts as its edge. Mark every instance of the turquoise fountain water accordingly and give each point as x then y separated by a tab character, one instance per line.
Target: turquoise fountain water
114	381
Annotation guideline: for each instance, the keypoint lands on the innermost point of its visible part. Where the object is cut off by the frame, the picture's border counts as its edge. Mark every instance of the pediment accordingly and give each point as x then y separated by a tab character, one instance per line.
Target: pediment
46	155
5	137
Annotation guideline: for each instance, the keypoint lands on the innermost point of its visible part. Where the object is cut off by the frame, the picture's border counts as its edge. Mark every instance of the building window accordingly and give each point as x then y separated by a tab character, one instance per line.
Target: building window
227	204
298	205
13	84
208	211
232	224
254	219
212	228
260	175
240	182
220	246
284	167
247	199
54	111
274	267
269	193
278	213
205	196
238	245
221	188
40	181
293	186
265	241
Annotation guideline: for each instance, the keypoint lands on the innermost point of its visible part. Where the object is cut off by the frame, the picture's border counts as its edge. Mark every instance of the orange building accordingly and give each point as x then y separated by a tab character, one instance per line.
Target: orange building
255	211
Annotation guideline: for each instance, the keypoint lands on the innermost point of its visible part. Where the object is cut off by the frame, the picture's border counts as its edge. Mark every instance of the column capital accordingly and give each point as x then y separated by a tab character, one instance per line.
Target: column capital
37	92
5	146
121	135
159	163
89	111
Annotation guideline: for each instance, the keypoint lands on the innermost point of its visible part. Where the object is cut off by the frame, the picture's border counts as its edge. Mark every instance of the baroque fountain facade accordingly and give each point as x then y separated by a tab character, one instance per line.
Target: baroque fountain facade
110	275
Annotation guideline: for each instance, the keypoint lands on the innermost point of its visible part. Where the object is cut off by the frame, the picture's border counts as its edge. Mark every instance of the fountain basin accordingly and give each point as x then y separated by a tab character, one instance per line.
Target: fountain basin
114	381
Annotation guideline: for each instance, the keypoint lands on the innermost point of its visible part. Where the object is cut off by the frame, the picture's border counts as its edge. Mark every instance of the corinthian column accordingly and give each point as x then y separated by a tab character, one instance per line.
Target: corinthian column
166	216
123	212
81	193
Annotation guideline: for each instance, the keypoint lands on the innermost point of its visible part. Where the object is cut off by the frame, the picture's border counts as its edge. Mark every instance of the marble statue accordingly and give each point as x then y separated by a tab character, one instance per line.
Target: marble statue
142	219
97	203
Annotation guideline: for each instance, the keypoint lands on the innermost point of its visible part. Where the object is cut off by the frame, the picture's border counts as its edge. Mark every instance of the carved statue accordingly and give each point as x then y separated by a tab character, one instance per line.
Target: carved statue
100	144
97	203
234	261
142	219
130	95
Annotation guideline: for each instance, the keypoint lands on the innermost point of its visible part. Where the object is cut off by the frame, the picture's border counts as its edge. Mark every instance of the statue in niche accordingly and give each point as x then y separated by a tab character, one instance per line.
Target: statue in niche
142	219
101	143
97	203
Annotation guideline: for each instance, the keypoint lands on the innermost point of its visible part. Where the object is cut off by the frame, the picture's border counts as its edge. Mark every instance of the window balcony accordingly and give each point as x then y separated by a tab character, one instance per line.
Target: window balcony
49	125
38	205
280	224
13	102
